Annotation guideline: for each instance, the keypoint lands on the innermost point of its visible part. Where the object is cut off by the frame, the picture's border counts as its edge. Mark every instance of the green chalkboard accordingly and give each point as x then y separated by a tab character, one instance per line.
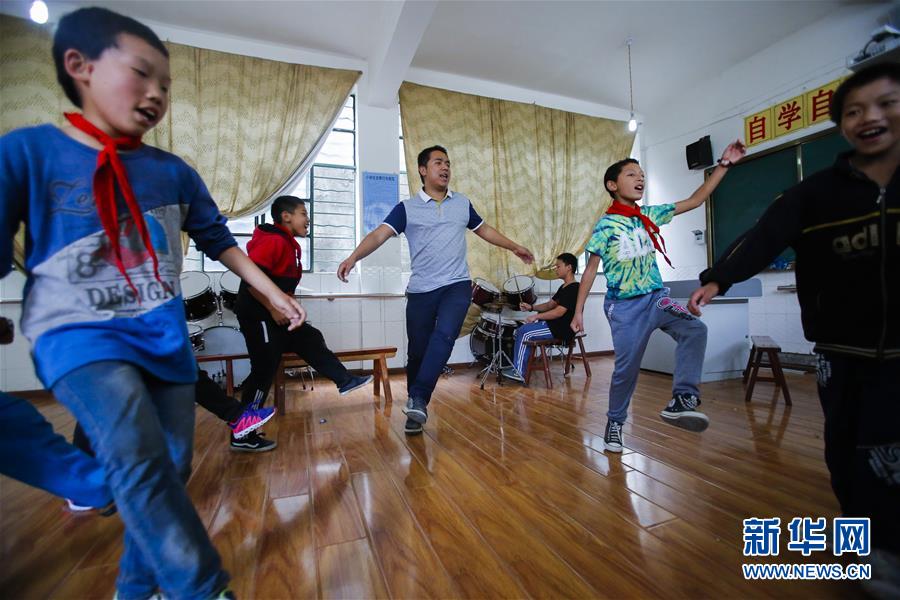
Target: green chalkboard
820	153
754	183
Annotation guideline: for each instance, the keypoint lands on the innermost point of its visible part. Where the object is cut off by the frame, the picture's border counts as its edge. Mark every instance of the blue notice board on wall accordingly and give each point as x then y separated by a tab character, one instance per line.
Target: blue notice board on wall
381	192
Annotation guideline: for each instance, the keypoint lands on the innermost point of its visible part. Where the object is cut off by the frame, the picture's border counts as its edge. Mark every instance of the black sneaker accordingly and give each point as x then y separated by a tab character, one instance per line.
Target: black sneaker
354	382
682	412
613	439
252	442
416	410
412	427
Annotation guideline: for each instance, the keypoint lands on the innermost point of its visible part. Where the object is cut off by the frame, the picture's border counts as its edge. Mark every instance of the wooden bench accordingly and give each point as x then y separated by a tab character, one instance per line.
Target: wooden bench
378	356
229	368
763	345
540	347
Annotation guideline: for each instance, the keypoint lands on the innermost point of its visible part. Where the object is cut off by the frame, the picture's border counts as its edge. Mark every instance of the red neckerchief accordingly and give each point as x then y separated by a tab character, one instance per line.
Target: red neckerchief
110	171
617	208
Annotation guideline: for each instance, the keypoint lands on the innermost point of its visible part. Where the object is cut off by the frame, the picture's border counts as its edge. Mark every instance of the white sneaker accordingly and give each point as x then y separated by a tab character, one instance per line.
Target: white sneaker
77	507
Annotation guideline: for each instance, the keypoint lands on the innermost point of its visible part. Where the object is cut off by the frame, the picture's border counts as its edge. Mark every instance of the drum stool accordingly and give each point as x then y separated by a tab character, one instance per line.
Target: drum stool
539	347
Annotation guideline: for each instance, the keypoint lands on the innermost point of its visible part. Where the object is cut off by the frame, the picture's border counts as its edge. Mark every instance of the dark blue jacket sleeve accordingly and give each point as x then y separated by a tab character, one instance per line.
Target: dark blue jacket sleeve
204	223
13	196
396	219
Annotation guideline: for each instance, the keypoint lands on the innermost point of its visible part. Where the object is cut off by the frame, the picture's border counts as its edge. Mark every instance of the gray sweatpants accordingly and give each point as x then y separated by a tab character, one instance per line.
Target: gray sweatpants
632	320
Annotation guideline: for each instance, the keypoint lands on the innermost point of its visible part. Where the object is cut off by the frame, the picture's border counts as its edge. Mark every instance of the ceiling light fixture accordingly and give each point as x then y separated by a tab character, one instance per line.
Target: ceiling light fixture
632	122
38	12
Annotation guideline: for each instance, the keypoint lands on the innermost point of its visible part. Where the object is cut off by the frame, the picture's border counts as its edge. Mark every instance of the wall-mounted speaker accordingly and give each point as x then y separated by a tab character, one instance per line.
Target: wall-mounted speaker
699	154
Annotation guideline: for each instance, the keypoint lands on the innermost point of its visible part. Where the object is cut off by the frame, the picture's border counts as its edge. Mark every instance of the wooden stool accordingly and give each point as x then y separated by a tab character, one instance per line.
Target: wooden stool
539	353
764	345
583	356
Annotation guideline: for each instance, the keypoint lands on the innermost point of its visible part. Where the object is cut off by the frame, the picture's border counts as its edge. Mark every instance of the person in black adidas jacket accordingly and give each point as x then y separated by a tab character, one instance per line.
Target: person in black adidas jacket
277	253
844	224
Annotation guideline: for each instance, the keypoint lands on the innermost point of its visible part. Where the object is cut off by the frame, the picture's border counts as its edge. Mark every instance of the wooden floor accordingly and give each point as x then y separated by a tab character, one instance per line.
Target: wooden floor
508	494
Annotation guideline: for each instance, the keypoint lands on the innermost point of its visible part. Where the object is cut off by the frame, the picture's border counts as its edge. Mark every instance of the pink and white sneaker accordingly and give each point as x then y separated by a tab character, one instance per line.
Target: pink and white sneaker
251	420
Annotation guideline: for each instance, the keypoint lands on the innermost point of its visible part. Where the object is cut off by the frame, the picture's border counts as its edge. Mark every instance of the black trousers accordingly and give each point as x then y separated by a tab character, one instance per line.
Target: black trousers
267	341
861	401
214	399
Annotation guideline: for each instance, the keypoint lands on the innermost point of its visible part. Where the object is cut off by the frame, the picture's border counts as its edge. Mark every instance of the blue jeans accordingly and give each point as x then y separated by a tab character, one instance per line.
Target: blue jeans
33	453
528	332
141	430
632	320
433	321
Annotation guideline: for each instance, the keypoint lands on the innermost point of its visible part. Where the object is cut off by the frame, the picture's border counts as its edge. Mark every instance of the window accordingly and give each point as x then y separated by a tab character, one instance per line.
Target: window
329	189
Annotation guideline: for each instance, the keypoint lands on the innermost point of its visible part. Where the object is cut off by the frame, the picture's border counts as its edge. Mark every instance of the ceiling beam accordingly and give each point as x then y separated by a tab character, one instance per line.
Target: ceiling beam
404	26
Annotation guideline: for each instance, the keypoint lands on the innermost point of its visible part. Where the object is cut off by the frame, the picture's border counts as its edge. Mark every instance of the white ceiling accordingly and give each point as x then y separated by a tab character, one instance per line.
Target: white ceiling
578	49
574	49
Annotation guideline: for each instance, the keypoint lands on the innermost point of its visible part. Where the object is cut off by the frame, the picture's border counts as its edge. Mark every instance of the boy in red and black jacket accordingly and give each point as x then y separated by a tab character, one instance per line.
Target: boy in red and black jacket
276	252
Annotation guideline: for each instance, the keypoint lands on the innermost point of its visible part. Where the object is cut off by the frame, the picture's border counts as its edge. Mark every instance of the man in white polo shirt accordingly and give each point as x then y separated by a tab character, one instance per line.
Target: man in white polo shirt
435	222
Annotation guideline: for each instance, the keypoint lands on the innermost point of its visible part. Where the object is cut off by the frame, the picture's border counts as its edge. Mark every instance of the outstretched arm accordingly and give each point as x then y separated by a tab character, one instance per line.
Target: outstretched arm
492	236
732	154
778	228
584	288
370	244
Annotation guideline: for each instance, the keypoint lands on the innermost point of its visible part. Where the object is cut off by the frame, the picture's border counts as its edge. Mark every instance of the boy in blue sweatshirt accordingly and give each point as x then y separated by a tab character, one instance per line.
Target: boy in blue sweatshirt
103	307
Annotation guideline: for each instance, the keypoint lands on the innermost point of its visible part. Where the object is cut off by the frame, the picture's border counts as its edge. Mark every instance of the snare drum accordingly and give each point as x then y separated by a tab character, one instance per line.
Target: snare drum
199	299
481	344
518	289
228	289
492	322
484	292
222	339
195	333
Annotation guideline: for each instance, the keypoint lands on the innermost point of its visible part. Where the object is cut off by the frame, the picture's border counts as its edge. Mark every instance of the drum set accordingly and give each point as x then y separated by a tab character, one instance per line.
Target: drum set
212	326
492	338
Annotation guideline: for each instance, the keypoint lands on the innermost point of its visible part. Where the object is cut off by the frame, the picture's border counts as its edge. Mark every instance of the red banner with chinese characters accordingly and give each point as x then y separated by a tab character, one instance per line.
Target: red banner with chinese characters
790	115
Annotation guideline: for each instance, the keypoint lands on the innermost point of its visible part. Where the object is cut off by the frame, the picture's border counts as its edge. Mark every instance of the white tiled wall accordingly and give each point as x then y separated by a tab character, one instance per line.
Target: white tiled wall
777	313
345	322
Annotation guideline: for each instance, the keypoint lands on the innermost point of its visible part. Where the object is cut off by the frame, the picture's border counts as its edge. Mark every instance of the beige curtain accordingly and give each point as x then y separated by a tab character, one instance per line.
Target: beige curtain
246	124
534	173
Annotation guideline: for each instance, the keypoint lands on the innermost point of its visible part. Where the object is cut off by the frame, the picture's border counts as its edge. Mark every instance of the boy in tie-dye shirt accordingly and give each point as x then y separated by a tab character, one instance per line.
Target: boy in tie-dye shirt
626	239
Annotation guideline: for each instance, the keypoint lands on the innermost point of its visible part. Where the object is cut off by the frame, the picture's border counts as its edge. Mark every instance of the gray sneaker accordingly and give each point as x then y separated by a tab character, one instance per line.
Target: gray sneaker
416	410
511	373
355	382
412	427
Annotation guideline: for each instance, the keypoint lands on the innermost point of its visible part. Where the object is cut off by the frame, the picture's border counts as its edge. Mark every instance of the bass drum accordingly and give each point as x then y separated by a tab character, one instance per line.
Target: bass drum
481	344
222	339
